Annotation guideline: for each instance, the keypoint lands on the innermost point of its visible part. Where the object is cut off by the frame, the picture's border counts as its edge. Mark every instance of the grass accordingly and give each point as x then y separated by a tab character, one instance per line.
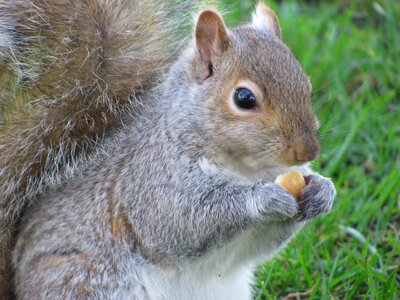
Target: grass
351	50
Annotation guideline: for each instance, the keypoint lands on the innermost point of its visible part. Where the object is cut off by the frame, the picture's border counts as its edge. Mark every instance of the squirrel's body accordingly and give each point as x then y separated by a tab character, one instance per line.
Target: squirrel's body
176	199
117	226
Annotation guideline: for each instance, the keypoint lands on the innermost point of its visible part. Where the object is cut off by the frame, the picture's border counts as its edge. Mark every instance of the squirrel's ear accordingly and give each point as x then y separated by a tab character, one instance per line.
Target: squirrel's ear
265	19
211	38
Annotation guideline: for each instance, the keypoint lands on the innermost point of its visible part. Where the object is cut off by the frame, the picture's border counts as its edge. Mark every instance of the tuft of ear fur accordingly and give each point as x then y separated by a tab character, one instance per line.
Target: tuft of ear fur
211	38
264	19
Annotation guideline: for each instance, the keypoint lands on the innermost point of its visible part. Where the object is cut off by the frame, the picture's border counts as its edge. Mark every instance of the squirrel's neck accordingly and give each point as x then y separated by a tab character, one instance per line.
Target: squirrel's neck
180	114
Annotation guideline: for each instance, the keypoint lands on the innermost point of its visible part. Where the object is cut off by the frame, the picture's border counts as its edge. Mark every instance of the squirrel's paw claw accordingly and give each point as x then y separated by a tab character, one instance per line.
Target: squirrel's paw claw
277	204
317	197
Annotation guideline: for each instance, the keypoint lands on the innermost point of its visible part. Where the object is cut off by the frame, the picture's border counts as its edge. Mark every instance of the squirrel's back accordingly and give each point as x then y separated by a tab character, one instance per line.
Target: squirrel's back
68	70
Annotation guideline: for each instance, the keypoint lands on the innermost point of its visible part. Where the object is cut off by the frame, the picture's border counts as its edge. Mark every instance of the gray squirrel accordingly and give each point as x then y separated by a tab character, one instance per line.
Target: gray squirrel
145	186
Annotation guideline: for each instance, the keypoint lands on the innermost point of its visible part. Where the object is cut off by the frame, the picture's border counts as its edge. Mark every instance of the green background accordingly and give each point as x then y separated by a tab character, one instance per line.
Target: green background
351	51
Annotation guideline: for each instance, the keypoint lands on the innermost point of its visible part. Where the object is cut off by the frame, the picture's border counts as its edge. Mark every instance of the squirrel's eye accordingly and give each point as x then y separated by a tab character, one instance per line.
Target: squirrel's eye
245	99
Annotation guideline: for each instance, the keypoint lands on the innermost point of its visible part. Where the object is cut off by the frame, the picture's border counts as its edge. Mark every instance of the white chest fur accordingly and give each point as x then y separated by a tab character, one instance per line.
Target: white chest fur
220	275
196	284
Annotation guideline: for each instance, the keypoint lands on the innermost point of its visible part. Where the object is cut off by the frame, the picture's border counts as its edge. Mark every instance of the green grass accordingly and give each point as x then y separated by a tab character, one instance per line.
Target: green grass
351	50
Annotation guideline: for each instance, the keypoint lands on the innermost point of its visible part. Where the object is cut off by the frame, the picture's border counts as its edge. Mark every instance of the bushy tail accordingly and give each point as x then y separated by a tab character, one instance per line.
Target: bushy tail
67	70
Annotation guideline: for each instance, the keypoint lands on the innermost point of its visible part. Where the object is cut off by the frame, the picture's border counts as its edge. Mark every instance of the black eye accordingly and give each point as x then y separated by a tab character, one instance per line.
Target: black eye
245	98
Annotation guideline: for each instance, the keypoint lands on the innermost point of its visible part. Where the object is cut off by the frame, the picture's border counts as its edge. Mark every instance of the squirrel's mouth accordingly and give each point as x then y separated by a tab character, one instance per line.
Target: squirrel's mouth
300	153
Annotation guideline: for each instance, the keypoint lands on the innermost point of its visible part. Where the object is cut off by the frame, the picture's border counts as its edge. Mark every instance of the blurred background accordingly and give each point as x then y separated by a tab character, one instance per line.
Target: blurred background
351	51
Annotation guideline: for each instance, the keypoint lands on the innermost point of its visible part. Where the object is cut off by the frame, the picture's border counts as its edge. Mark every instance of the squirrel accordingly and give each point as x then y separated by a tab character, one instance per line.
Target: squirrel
132	169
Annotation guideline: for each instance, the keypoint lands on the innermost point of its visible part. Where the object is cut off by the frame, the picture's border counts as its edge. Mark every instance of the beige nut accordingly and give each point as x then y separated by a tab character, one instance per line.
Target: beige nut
292	181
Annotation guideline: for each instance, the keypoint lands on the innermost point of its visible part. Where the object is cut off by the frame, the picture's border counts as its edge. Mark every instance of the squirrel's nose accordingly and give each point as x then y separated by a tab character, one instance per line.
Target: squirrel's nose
304	152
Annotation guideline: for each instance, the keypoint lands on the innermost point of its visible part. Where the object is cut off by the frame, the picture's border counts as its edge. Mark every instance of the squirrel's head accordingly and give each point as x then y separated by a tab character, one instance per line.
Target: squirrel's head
253	97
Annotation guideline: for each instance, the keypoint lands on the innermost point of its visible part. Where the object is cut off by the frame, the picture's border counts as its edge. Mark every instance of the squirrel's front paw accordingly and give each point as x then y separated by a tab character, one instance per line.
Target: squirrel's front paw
317	197
274	203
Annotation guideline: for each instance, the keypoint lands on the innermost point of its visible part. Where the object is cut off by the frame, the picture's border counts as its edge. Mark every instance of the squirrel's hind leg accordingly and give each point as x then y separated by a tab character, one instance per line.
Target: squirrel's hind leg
72	275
